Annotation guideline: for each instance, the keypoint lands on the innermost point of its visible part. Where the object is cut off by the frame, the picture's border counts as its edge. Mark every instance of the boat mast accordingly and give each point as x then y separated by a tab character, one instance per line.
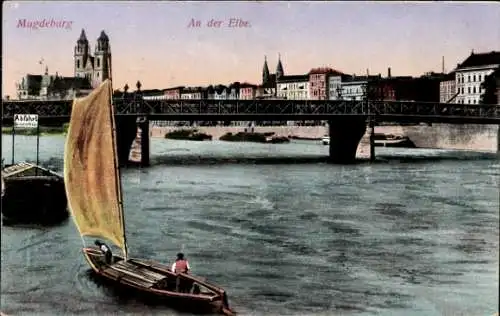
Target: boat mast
118	181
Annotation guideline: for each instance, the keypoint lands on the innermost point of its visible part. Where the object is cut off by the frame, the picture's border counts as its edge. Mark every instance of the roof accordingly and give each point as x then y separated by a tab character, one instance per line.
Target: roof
354	79
449	77
192	90
248	85
324	70
103	37
83	37
293	78
481	59
66	83
173	88
31	82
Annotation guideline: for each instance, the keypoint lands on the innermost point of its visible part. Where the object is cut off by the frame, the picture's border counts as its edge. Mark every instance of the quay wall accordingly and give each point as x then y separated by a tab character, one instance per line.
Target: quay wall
449	136
440	136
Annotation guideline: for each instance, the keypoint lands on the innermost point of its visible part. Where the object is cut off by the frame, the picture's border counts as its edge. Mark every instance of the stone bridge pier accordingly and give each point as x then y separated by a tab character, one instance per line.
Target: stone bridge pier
133	140
345	134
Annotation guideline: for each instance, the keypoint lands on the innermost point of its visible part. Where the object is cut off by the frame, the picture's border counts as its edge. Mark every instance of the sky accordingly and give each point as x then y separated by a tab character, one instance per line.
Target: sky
152	41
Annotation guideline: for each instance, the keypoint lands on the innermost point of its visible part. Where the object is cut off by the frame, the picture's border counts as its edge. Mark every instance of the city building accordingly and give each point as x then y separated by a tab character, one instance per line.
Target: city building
95	68
193	93
293	87
318	82
335	84
234	91
354	87
221	92
448	89
247	91
154	94
173	93
471	73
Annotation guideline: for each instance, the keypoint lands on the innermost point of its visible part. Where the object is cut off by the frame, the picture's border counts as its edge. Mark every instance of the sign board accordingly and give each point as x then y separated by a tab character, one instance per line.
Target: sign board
25	121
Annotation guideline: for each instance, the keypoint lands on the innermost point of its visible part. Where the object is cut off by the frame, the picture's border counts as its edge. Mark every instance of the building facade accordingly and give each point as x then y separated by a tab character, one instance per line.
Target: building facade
319	82
293	87
247	91
448	89
192	93
335	85
354	88
153	95
471	74
221	92
95	68
173	93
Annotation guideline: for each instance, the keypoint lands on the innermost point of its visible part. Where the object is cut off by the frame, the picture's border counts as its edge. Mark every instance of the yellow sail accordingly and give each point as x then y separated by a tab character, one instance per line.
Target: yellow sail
91	173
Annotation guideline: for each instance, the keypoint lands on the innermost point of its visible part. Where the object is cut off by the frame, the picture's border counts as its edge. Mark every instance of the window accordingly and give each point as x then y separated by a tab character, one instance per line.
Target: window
78	64
480	78
474	89
468	78
468	90
474	78
98	62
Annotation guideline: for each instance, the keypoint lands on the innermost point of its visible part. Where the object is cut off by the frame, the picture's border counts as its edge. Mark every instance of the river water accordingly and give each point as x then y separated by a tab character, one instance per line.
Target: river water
415	233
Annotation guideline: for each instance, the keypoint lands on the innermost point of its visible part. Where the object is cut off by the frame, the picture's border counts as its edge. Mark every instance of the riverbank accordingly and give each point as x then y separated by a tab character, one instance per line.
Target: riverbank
44	130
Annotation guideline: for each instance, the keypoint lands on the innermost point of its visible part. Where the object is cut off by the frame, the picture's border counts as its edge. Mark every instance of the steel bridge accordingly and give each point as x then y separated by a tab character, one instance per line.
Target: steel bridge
234	110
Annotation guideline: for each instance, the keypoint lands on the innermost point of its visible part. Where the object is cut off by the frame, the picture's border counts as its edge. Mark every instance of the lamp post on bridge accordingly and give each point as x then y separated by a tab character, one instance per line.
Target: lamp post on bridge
138	98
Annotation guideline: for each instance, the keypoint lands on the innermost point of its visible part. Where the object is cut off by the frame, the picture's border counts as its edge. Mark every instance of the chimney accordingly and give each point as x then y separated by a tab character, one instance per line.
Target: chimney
389	72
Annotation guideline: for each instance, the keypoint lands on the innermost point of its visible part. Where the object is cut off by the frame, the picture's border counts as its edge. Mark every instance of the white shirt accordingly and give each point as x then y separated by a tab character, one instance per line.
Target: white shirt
104	248
173	266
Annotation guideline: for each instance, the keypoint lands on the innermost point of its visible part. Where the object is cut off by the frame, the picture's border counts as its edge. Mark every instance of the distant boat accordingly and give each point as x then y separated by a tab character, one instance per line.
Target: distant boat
93	188
32	194
325	140
393	141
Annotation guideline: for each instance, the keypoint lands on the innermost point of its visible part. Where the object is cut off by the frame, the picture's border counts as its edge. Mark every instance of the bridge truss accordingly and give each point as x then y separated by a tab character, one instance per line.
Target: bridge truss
318	109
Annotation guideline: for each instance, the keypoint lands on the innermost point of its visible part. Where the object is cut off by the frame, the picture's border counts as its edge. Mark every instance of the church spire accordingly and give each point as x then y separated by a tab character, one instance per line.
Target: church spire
83	37
265	71
279	68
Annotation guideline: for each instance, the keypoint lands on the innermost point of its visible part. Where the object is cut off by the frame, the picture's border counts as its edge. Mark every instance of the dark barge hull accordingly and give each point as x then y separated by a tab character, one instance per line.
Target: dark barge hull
38	199
136	278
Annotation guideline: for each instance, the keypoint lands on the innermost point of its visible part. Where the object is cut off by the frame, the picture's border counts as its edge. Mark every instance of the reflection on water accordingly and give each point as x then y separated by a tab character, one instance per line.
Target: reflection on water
390	238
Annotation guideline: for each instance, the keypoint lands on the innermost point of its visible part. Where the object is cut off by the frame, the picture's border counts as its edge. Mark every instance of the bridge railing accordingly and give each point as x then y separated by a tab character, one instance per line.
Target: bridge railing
270	107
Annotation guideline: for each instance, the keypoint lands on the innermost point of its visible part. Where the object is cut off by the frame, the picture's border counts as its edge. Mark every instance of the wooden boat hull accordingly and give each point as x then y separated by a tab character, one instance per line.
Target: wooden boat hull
34	199
153	282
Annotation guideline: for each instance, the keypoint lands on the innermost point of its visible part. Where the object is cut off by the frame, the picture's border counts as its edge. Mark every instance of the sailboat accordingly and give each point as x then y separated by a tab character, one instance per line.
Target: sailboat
93	188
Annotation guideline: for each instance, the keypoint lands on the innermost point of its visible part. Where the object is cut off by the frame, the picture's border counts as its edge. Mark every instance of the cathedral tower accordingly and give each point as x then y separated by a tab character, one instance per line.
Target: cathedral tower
81	55
102	60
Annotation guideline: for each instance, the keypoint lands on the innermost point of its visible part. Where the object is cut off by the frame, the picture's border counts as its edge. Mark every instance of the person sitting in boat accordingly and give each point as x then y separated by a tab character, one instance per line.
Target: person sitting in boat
105	250
180	265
